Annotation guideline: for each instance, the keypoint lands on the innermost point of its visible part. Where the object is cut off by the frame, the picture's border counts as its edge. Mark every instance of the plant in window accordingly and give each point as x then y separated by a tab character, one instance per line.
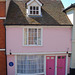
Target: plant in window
32	36
34	10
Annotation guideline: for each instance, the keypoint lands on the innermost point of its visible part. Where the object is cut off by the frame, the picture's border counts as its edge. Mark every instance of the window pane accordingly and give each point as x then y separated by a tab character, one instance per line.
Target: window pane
59	57
33	37
30	12
34	8
37	8
25	36
33	12
39	36
30	64
30	7
37	12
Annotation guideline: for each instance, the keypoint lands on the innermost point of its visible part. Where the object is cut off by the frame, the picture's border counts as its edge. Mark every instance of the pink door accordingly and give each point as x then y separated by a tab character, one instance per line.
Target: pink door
61	63
50	65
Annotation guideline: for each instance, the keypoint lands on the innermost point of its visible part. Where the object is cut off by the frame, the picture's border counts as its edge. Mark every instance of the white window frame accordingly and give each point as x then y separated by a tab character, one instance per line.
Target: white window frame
27	74
28	8
27	36
39	14
34	10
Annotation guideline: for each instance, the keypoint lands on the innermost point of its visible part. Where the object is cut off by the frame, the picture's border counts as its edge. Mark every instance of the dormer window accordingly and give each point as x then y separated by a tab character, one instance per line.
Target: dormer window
34	8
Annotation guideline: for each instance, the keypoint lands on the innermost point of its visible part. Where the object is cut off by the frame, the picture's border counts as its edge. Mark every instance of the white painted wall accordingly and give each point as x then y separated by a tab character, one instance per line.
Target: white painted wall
70	16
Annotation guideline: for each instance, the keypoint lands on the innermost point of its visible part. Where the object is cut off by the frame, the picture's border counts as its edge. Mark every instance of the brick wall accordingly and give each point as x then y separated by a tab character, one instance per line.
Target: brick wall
2	35
2	8
2	39
2	46
2	63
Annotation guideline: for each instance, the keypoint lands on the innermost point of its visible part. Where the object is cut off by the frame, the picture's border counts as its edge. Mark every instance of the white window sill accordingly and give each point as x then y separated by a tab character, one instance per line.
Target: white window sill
32	45
30	15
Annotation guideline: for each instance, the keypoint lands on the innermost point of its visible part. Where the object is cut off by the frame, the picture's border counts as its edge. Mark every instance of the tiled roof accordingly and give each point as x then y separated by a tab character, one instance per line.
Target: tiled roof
52	14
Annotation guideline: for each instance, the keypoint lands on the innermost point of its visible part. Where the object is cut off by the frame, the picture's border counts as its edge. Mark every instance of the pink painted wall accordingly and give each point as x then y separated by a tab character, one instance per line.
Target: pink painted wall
10	70
54	39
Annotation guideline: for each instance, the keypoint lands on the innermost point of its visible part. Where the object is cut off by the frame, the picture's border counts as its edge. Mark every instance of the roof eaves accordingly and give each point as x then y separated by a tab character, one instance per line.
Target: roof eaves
38	24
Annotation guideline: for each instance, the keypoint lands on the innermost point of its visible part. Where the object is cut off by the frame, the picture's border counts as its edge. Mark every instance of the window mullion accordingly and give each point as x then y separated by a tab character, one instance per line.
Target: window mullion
39	10
27	35
32	10
37	36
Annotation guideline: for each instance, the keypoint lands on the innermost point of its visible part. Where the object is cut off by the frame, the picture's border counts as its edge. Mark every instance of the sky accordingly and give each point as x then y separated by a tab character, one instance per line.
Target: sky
67	3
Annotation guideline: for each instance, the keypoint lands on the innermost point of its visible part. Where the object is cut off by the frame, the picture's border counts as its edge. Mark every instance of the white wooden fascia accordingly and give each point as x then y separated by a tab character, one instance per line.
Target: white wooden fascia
34	0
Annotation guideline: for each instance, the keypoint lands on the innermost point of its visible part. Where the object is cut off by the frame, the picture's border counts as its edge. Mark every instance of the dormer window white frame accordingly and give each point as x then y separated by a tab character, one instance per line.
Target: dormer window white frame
34	8
32	36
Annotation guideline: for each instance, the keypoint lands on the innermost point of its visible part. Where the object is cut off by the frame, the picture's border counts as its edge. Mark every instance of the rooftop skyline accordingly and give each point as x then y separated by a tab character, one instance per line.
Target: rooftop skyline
67	3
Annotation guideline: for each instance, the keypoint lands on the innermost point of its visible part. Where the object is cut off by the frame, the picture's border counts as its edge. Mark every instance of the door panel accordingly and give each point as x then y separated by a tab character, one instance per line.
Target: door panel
50	65
61	63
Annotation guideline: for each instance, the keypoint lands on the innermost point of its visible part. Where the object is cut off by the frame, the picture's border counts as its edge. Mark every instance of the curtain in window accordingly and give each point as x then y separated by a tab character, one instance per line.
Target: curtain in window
30	64
32	36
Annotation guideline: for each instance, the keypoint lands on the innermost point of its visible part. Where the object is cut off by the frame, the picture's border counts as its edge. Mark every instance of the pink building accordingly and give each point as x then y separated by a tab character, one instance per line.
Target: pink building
38	38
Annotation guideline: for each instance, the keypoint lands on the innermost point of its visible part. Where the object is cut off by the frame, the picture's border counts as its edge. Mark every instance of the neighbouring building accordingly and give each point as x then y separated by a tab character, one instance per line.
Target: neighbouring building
70	11
2	37
38	38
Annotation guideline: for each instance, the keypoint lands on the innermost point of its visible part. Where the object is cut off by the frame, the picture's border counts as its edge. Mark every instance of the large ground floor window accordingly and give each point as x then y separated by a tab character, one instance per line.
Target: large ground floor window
30	64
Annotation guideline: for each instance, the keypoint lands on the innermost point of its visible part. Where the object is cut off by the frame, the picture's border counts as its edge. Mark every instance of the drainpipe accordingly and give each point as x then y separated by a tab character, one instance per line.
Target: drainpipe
72	69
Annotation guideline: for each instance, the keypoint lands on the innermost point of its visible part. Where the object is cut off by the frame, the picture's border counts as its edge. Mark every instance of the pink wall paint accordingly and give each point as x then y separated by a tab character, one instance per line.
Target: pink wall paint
11	70
54	39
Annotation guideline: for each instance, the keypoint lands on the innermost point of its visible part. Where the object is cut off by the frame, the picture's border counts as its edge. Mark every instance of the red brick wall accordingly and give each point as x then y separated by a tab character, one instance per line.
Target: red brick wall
2	8
2	35
2	63
2	39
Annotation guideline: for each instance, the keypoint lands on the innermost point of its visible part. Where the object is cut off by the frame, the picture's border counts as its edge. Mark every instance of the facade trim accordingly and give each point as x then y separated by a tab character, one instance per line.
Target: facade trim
25	26
2	49
2	17
38	53
37	36
66	64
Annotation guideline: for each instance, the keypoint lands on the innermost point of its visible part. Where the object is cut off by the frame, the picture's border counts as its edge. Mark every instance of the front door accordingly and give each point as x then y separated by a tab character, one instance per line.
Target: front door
61	63
50	65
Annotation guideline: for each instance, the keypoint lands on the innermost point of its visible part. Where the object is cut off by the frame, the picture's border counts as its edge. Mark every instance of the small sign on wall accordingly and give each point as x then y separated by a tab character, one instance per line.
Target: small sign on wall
11	64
